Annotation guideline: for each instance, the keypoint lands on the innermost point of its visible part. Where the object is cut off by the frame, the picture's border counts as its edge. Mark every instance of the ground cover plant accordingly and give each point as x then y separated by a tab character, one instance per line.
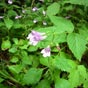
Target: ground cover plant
43	43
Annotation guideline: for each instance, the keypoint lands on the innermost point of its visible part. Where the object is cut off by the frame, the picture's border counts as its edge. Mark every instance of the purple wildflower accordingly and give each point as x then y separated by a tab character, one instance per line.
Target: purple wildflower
35	37
34	9
46	52
17	17
35	21
10	1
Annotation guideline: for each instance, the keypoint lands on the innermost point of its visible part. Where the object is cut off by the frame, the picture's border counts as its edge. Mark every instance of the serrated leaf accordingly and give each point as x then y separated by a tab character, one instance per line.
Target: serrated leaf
8	23
62	24
53	9
78	76
32	76
76	44
62	63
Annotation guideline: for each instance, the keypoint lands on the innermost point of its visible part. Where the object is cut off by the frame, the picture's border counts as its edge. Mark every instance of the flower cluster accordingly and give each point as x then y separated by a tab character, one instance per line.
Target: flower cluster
10	1
46	52
34	37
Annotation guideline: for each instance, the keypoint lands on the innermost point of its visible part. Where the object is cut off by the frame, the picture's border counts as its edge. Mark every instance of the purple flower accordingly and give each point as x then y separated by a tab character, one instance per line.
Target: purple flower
46	52
10	1
35	37
35	9
35	21
17	17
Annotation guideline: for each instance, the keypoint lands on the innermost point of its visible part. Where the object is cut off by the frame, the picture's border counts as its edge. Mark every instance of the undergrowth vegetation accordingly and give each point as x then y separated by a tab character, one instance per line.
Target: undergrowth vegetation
44	44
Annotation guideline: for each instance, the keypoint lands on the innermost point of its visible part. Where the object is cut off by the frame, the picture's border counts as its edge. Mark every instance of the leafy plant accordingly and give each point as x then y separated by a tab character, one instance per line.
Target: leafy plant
43	44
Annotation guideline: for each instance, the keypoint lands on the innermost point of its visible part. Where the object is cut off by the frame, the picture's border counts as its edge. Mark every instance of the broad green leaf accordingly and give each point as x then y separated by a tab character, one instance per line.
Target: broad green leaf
14	59
76	44
25	58
84	31
8	23
62	63
62	24
32	76
32	48
12	13
6	44
78	76
44	61
72	63
43	84
15	69
53	9
85	84
62	83
13	49
59	38
82	2
74	78
83	73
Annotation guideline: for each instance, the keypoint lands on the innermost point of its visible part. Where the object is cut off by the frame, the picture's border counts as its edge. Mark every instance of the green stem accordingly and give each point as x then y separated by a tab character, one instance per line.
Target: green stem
32	3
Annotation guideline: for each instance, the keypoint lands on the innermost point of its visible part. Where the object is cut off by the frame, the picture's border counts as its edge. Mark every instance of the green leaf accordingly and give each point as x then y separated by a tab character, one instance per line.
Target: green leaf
62	63
14	59
62	24
82	72
15	40
76	44
44	61
13	49
78	76
59	38
8	23
74	78
32	48
1	79
25	58
6	44
32	76
84	31
82	2
62	83
53	9
15	69
43	84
